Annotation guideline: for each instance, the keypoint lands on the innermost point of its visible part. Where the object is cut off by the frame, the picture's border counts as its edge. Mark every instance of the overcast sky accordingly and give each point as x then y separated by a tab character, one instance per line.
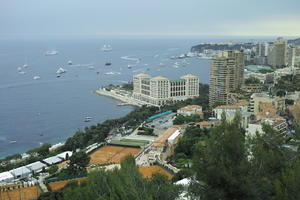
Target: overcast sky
60	18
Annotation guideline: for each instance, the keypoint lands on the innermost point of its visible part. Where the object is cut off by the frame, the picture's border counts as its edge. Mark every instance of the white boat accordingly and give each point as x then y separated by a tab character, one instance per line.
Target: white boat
70	62
51	53
88	119
36	77
61	71
12	141
91	67
177	63
106	47
21	72
25	65
109	73
19	69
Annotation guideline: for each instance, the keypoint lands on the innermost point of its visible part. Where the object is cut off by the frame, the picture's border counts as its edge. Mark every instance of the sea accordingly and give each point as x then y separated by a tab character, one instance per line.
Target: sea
51	109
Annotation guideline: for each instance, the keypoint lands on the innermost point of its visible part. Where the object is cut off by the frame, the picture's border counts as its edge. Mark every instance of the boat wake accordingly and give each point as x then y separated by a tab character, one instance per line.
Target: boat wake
137	60
83	65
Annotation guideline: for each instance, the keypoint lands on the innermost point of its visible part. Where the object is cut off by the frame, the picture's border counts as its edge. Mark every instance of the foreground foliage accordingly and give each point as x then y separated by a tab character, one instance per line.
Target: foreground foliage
230	166
119	184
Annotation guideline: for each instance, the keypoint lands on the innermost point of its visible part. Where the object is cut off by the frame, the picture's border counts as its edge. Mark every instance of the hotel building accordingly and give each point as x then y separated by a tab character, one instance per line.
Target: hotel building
160	90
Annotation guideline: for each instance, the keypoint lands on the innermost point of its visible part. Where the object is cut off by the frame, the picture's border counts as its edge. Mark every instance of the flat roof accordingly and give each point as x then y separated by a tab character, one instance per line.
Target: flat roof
52	160
6	175
174	135
20	171
159	142
36	166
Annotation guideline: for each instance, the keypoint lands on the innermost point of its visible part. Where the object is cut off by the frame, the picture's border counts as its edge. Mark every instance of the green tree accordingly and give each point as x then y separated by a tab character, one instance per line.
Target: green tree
221	163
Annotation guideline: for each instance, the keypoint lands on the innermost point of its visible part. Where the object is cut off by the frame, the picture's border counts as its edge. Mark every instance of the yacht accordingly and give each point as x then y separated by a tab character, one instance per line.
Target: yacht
36	77
106	47
61	71
25	65
109	73
88	119
70	62
91	67
19	69
51	53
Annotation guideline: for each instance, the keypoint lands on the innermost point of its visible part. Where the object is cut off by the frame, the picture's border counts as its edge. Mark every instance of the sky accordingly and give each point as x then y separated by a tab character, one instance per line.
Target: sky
194	18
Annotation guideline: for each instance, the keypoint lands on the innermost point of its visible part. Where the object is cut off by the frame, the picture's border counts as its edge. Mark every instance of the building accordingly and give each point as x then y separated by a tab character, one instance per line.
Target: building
36	167
253	128
278	54
21	172
226	76
209	124
230	111
191	110
6	177
268	114
262	50
160	90
253	88
166	143
291	56
259	98
52	160
294	112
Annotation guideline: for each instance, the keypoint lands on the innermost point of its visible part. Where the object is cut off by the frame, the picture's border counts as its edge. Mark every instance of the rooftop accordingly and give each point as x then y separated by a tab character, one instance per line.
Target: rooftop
20	171
190	107
160	141
227	107
259	95
159	78
36	166
52	160
242	103
142	75
5	176
188	76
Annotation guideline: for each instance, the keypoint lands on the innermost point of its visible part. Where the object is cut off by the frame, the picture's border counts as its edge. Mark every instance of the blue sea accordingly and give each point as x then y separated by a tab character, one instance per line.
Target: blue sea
51	109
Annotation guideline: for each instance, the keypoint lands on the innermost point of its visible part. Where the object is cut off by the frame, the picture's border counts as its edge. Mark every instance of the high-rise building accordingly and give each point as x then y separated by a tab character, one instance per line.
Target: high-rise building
226	76
278	54
262	50
291	56
160	90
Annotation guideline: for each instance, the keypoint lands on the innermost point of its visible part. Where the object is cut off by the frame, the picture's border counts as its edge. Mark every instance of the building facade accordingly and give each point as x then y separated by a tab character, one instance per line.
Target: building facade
226	76
278	54
160	90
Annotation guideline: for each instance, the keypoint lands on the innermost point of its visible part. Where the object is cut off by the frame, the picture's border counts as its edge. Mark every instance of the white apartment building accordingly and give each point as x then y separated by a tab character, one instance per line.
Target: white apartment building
230	111
160	90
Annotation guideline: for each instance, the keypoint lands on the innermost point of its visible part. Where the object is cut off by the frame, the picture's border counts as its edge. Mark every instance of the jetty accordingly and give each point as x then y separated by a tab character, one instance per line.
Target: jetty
121	95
